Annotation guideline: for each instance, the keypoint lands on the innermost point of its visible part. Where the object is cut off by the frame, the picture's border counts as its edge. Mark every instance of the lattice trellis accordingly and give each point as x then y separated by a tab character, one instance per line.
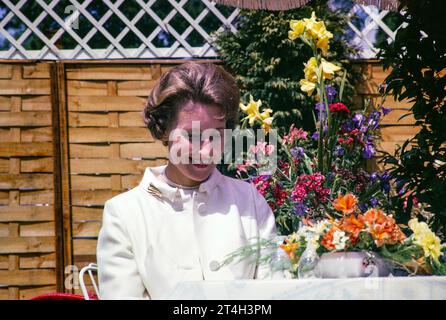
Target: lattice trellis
67	25
68	15
364	38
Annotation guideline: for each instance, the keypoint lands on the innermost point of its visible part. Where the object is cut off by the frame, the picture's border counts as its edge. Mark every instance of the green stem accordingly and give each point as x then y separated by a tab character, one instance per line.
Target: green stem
329	128
320	146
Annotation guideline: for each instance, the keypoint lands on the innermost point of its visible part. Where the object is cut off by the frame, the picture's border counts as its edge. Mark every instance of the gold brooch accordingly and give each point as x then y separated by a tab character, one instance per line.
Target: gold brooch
154	191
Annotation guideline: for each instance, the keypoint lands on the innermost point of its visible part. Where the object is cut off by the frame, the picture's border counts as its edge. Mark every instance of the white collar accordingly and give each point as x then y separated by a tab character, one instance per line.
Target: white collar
159	188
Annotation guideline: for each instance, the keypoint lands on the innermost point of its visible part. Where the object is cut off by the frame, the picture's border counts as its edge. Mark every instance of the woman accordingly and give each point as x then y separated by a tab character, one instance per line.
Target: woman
183	218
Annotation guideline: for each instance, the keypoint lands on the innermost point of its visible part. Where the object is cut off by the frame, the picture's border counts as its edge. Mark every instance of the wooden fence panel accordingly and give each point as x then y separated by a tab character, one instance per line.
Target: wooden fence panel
27	217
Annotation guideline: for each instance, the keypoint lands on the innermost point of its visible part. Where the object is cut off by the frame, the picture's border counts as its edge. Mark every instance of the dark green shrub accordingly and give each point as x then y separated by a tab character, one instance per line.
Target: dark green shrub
418	61
269	66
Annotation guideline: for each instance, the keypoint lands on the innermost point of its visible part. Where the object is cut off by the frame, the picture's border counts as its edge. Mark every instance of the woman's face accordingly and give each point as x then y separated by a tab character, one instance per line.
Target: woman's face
194	142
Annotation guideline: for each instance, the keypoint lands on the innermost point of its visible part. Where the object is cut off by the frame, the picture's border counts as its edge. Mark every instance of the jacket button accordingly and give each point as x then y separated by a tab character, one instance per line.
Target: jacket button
201	207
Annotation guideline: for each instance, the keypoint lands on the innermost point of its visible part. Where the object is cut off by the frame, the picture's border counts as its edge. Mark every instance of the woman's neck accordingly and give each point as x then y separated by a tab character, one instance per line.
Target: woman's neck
173	174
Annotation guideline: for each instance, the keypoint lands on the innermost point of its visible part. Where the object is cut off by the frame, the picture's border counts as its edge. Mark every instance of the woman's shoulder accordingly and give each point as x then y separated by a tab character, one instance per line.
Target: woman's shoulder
241	187
126	198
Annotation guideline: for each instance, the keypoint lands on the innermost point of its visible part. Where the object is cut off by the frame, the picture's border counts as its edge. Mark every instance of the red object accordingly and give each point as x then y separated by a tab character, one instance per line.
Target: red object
64	296
339	107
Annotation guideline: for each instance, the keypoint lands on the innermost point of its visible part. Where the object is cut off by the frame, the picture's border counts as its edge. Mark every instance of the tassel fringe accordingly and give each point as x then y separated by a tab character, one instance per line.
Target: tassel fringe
282	5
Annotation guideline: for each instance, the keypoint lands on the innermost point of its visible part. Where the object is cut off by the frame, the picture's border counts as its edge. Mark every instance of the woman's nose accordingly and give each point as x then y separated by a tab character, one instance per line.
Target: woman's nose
206	148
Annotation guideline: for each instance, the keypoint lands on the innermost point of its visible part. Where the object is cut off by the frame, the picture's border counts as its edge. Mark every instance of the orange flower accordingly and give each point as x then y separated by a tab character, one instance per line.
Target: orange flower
383	228
346	204
327	239
353	225
290	248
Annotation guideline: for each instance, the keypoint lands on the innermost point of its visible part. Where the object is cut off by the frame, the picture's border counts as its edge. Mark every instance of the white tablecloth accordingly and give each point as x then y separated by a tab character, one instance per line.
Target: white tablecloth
406	288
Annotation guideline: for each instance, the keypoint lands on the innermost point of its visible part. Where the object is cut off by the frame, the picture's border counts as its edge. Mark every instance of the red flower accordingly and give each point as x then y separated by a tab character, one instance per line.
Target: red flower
279	195
338	107
348	141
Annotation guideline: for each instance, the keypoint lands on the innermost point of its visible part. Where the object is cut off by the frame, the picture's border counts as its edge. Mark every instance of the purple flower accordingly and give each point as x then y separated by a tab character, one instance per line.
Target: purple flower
369	151
374	176
325	129
402	191
300	209
373	120
339	151
373	124
385	176
347	127
363	207
385	110
331	93
376	115
358	119
374	202
298	152
315	136
320	108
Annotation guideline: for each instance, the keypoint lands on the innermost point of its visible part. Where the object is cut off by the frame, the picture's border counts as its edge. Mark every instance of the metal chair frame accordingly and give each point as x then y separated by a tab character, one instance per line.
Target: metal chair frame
92	267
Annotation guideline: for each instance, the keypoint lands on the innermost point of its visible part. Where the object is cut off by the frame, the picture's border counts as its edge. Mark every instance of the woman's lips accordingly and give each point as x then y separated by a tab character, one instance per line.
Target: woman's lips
201	166
198	164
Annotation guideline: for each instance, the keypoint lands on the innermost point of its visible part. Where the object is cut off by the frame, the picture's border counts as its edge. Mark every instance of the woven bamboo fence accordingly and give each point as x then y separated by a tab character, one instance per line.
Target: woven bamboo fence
71	137
27	195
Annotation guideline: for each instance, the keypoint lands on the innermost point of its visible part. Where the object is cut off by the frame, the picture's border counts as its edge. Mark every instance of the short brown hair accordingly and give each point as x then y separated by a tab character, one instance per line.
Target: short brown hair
191	81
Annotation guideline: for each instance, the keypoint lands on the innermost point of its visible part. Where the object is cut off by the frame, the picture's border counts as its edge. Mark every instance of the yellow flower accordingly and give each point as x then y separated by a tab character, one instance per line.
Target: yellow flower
322	42
310	70
290	248
251	109
297	28
307	86
328	69
266	120
425	238
312	30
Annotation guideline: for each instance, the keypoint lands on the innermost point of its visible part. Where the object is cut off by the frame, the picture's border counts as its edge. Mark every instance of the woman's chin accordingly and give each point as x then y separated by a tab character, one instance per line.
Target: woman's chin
199	172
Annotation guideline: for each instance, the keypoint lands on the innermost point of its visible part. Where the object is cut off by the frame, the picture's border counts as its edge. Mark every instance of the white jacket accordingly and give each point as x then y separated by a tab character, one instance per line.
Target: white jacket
155	236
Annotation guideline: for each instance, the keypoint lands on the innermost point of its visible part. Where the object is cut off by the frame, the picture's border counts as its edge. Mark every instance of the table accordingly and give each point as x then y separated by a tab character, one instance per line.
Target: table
399	288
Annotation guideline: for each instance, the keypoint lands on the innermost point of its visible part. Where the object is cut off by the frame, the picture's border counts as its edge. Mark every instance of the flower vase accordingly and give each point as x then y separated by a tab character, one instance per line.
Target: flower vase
351	265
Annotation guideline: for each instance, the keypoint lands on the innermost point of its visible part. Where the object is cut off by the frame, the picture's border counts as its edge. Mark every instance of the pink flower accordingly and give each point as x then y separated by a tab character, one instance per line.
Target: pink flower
299	193
261	183
306	184
243	167
294	134
262	147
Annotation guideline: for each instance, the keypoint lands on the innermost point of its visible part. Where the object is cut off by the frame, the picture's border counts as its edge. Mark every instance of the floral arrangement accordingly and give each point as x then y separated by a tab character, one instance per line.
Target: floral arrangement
372	231
322	197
